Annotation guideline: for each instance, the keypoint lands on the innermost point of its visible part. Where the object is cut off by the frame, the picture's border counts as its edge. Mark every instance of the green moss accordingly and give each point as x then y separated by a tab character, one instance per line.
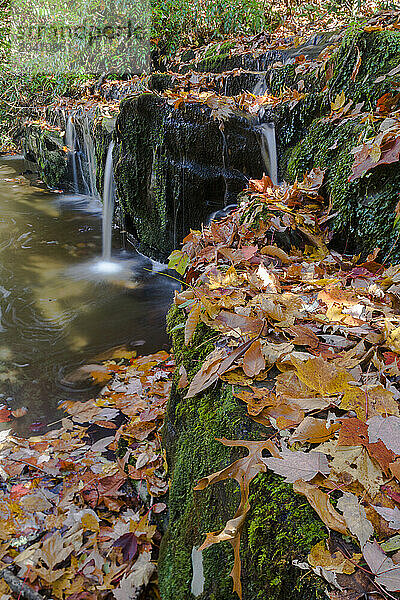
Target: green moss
45	146
140	170
280	527
379	53
365	207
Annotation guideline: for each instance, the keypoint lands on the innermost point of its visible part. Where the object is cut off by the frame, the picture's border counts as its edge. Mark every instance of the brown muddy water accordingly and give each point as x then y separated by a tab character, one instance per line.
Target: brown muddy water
61	306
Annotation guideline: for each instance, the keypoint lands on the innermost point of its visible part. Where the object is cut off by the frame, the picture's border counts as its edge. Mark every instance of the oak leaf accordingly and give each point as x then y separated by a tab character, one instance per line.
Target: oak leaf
243	470
257	399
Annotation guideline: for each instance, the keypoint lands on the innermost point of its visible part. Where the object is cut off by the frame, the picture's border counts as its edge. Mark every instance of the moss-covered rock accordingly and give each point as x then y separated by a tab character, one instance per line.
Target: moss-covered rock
280	526
364	207
44	146
175	166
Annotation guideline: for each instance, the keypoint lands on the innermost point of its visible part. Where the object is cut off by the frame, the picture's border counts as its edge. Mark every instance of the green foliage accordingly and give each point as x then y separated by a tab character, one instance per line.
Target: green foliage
179	261
24	96
176	23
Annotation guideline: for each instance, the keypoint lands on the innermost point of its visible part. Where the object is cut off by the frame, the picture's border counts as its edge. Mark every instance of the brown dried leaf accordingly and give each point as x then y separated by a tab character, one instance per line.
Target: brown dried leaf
253	360
313	431
243	470
207	374
322	506
191	322
337	563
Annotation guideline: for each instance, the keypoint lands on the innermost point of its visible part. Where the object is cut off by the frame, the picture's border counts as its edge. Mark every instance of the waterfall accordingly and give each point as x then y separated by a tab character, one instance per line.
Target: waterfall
90	159
108	203
70	141
268	150
224	155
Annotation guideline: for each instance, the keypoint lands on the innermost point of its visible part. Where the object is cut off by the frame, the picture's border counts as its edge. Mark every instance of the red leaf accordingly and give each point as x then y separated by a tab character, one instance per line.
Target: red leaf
128	544
355	433
5	415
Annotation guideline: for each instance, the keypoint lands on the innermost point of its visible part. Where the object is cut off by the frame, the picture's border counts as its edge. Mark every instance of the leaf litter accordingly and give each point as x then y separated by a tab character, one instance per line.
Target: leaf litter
79	505
309	341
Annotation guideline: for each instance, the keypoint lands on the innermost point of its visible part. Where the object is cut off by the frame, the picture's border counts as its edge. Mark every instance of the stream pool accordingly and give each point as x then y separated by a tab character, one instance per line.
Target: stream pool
60	305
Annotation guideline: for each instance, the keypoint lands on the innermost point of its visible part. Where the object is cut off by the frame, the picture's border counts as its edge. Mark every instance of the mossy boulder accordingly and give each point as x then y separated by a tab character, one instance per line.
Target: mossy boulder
280	526
175	166
308	138
43	144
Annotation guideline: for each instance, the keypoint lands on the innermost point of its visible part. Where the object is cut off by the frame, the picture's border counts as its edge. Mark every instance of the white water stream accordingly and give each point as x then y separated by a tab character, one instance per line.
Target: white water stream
269	150
70	140
108	204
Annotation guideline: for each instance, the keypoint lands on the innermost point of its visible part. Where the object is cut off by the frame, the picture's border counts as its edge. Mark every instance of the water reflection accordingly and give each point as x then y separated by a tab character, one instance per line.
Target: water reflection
59	305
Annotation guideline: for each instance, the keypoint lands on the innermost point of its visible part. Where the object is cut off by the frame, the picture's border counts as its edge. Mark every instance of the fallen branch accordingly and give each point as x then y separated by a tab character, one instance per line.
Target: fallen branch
19	587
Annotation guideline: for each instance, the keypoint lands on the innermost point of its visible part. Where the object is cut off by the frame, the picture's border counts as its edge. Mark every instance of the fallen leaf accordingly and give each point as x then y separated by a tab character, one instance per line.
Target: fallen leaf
128	544
243	470
322	376
355	516
192	322
313	431
322	505
320	556
298	465
253	360
386	572
207	374
139	576
386	429
391	515
354	432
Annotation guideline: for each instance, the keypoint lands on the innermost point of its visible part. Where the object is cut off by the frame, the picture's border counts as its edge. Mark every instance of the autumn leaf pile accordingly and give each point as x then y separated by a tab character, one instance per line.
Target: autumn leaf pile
296	28
309	340
78	505
225	106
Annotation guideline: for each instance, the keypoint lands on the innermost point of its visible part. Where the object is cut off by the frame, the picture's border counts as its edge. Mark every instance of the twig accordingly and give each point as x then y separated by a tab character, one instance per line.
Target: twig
18	586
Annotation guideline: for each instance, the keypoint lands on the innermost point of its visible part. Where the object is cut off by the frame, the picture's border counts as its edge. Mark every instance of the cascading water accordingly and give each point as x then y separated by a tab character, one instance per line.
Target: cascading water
70	141
90	158
108	204
224	155
268	150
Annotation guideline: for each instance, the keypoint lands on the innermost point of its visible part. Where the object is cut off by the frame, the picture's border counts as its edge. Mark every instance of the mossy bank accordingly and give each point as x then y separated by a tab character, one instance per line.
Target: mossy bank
280	527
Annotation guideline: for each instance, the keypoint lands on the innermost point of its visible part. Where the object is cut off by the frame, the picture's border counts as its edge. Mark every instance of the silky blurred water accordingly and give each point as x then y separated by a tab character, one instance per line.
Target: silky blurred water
60	304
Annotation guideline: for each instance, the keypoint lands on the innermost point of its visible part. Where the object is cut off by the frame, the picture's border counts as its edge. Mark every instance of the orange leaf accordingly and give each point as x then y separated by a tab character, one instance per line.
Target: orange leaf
314	431
191	322
253	360
322	506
